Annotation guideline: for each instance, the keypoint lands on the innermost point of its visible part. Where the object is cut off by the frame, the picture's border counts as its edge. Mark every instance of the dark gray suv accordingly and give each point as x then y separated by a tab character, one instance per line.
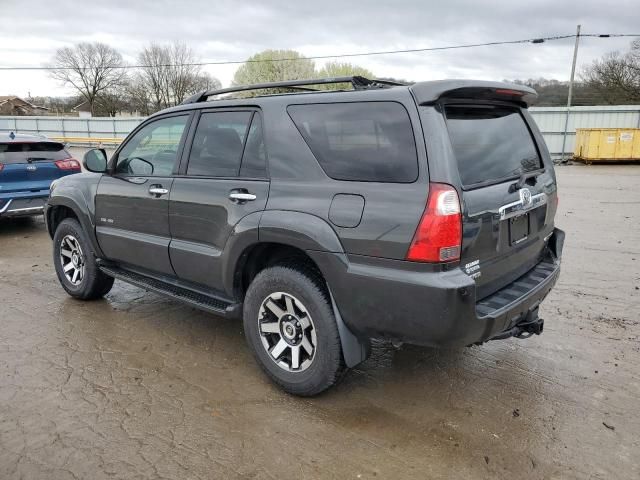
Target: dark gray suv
418	213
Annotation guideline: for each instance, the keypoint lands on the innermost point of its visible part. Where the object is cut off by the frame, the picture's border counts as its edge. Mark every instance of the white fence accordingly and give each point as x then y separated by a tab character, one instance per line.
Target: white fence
71	127
549	119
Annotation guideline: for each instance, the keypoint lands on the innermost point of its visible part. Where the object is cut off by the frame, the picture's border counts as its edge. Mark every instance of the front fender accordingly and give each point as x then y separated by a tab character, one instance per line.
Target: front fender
77	192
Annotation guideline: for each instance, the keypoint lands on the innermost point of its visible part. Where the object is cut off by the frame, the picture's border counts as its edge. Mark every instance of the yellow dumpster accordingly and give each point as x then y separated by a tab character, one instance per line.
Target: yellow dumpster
607	144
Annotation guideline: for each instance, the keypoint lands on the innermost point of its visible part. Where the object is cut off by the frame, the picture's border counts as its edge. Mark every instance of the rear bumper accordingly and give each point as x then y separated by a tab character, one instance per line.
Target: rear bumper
434	308
23	205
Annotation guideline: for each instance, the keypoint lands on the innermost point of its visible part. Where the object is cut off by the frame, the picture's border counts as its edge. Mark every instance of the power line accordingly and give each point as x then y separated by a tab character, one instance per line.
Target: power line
344	55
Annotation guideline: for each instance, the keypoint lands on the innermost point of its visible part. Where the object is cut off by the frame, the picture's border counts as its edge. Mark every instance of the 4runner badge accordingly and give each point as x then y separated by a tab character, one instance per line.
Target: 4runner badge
473	269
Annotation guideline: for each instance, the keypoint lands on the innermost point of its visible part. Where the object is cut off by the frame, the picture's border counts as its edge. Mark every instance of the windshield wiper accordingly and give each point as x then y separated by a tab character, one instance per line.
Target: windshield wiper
523	179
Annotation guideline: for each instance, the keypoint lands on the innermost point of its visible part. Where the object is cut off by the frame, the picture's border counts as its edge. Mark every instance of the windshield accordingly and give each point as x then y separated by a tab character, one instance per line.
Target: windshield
491	143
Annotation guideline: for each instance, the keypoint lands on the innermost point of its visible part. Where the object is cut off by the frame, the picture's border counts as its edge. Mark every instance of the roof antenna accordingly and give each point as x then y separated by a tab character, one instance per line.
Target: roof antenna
12	136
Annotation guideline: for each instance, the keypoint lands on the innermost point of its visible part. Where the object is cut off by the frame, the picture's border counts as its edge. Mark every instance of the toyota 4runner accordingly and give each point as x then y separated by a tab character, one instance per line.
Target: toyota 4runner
419	213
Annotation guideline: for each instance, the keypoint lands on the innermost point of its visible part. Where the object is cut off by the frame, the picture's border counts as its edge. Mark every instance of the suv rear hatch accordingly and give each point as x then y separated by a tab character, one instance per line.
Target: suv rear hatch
31	166
507	190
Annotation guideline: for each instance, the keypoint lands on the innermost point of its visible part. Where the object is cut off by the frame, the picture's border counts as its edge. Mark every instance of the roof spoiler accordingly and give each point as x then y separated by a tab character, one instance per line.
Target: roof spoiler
431	92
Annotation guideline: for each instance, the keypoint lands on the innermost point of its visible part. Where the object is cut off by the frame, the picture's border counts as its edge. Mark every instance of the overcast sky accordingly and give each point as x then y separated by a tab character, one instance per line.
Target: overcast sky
31	31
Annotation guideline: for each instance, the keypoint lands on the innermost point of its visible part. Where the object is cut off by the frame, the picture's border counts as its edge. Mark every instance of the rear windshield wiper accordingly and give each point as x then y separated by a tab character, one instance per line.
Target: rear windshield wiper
523	179
36	159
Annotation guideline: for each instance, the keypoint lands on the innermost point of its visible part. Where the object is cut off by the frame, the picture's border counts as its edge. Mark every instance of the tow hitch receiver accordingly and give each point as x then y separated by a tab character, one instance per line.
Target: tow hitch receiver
530	325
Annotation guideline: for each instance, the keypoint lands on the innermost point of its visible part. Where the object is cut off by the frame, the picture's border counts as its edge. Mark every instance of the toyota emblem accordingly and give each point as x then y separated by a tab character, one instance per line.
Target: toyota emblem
525	197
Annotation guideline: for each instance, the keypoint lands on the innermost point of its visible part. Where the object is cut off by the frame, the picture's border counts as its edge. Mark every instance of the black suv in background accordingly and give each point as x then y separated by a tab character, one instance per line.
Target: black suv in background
419	213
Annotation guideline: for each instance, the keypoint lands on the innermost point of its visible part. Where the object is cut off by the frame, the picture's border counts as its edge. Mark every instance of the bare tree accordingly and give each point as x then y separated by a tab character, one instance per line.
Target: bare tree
170	74
138	96
616	76
110	102
635	52
203	81
182	73
154	76
91	68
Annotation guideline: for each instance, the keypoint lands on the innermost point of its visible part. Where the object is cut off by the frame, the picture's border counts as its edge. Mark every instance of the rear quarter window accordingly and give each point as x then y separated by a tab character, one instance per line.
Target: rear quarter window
490	143
23	152
365	142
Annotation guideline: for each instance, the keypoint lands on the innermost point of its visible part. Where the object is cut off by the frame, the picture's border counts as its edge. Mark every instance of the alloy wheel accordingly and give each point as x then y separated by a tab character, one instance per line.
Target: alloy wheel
72	260
287	332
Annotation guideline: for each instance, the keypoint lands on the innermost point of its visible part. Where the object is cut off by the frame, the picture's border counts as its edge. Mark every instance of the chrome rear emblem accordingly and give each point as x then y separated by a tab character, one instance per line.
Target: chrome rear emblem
32	168
525	197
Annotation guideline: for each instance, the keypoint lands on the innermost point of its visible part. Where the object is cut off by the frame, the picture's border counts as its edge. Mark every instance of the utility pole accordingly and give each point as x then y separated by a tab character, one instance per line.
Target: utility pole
573	72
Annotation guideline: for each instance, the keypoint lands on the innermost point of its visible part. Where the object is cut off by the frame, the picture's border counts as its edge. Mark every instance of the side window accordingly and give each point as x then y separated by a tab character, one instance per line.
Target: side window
254	159
363	142
153	149
217	144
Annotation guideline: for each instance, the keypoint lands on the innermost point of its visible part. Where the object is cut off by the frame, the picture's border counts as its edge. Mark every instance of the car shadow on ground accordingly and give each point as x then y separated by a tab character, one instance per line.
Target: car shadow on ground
20	225
212	341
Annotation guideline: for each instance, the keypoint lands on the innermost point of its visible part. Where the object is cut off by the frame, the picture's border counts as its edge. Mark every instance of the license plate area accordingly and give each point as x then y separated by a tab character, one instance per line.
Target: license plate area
519	228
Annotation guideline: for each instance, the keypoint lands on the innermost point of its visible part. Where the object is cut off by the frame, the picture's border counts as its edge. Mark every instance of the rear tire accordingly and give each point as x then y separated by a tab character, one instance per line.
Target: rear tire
291	329
75	263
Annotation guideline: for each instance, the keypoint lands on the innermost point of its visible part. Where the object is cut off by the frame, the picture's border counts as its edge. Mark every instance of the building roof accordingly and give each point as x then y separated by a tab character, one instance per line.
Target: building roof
6	98
84	106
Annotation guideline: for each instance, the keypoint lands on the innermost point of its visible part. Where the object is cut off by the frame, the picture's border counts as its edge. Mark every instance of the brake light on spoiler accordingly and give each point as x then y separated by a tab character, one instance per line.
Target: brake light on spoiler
509	92
438	237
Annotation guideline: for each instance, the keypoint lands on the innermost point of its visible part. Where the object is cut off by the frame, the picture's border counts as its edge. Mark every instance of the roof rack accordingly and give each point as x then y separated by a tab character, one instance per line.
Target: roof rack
358	83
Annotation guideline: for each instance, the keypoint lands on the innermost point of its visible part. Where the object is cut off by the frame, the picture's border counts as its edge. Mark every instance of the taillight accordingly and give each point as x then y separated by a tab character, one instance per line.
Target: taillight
68	164
1	166
439	234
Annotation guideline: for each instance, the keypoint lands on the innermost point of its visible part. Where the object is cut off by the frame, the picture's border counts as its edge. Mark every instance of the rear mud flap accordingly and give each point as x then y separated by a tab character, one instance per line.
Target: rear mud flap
354	350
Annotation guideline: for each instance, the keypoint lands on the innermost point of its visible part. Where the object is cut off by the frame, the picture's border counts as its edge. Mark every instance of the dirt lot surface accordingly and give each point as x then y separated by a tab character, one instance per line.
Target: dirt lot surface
138	386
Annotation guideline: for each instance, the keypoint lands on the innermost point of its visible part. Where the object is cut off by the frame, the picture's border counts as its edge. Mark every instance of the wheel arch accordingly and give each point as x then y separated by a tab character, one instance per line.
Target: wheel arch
56	214
261	255
289	237
274	233
59	208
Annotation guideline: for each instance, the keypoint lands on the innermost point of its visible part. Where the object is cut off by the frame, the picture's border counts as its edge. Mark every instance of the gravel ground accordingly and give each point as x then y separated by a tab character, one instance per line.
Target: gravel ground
139	386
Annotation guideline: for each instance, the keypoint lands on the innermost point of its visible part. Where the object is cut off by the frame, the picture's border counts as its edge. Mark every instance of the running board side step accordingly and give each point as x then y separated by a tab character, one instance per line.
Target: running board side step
198	300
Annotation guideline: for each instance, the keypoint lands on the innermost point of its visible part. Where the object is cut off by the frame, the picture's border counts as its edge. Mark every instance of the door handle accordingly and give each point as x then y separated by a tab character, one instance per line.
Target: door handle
158	190
242	196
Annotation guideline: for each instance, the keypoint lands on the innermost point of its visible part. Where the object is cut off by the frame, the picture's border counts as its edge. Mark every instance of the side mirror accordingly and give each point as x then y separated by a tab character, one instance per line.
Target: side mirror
95	160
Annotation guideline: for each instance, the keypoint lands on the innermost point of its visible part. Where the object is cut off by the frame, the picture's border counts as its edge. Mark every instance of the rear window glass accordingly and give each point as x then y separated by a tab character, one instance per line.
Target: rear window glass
217	144
16	152
367	142
490	143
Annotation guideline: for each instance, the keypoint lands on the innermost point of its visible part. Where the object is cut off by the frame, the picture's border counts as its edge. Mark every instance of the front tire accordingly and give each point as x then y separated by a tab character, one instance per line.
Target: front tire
291	329
75	263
